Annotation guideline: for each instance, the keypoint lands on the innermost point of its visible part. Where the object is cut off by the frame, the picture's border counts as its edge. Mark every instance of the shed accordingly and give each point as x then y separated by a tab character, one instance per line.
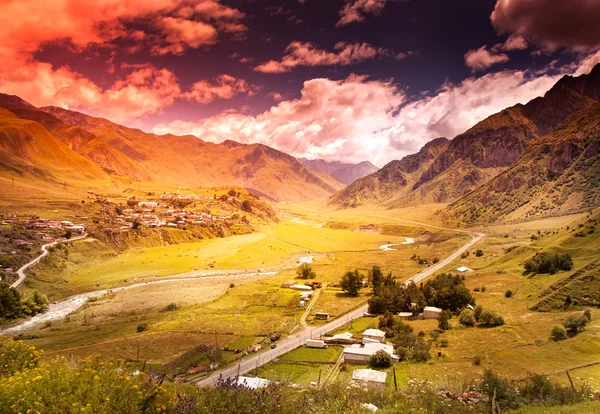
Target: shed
322	316
375	334
361	353
369	377
462	269
301	287
431	312
252	383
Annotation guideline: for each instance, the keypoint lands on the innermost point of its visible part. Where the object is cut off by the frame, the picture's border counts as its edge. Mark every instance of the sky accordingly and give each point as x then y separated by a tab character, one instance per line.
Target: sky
342	80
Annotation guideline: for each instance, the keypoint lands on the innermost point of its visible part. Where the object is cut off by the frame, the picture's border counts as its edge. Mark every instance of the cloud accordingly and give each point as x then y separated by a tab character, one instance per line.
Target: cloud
144	91
308	54
182	34
483	58
225	87
549	23
354	10
359	119
276	96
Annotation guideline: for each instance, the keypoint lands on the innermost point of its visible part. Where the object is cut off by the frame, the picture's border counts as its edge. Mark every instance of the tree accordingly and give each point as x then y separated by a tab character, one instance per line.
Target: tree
377	305
479	253
443	321
420	351
380	359
68	234
376	278
305	271
490	318
558	333
466	318
576	323
549	263
352	282
508	294
10	302
246	206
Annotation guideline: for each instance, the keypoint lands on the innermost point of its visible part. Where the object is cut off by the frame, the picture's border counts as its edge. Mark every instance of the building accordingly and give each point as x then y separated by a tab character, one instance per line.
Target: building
342	338
252	383
431	312
369	377
362	353
150	204
316	343
462	269
405	315
288	284
301	287
322	316
374	334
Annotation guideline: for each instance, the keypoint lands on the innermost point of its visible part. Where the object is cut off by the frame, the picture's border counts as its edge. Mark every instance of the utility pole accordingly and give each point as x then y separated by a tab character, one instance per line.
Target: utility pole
138	351
319	382
395	383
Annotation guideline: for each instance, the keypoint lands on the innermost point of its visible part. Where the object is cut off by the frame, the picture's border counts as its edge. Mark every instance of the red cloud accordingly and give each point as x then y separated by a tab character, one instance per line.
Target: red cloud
354	10
182	34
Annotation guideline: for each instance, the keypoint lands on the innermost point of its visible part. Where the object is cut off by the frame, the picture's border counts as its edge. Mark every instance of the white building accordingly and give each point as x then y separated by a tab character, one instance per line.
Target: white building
431	312
362	353
462	269
150	204
252	383
374	334
369	377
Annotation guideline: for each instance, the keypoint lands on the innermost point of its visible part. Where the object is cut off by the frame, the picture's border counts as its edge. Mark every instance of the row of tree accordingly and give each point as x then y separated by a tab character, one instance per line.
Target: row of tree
12	306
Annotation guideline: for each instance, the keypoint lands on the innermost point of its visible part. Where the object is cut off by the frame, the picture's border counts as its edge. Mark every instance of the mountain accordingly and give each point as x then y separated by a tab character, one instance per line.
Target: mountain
393	182
98	148
527	160
345	173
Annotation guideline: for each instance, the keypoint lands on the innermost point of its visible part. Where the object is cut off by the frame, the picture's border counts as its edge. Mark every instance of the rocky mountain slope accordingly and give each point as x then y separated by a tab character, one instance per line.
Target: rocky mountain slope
115	151
527	160
345	173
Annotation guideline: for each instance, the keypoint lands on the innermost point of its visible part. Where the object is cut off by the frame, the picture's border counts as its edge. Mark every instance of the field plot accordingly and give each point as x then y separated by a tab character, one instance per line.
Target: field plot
302	366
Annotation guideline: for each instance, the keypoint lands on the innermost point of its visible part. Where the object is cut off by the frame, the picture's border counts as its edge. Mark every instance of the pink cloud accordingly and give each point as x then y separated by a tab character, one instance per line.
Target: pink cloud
182	34
225	87
308	54
483	58
354	10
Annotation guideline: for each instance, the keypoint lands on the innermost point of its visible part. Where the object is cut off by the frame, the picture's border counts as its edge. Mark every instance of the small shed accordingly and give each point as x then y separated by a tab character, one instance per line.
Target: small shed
431	312
462	269
369	377
374	334
322	316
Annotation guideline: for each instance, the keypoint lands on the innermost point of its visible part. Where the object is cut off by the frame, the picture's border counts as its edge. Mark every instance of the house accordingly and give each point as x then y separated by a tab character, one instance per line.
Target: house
369	377
374	334
342	338
462	269
405	315
362	353
255	348
252	383
322	316
301	287
302	304
431	312
22	243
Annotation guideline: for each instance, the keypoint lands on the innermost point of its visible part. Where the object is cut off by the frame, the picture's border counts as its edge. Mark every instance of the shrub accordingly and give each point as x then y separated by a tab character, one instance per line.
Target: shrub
508	294
231	285
246	206
305	271
500	391
16	356
420	351
490	318
380	359
549	263
588	314
558	333
483	289
142	327
444	343
477	359
170	307
466	318
576	323
443	321
402	353
479	253
477	312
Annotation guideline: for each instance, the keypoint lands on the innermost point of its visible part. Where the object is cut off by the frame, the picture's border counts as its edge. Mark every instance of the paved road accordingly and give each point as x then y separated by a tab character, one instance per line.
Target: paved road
45	247
294	341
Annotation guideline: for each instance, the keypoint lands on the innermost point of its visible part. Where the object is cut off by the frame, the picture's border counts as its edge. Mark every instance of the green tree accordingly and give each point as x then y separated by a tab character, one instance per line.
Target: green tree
466	318
305	271
10	302
421	350
444	320
376	278
558	333
490	318
380	359
352	282
576	323
479	253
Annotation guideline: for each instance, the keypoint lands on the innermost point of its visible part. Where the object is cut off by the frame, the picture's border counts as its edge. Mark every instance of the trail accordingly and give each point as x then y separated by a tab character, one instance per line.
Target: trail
45	247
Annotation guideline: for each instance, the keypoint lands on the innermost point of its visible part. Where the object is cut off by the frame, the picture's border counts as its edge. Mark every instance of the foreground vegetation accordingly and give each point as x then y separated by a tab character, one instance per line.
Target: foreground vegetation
96	385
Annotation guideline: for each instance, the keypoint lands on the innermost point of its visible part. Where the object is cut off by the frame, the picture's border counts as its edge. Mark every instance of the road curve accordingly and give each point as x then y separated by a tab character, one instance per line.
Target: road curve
294	341
45	247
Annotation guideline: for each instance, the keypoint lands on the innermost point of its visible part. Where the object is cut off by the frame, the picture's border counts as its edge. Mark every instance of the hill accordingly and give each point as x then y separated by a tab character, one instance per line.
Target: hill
527	160
104	150
345	173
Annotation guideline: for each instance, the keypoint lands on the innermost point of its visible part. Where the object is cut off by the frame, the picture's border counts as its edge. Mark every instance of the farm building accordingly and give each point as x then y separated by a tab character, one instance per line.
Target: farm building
369	377
342	338
405	315
374	334
301	287
315	343
431	312
252	383
150	204
361	353
322	316
462	269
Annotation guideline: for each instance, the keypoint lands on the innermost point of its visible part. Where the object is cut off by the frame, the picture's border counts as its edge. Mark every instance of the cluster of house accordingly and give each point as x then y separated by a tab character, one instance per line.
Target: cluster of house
305	290
145	213
429	312
45	224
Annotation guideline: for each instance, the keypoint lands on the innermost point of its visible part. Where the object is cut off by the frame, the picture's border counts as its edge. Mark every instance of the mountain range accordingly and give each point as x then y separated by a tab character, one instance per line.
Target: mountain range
54	144
541	158
344	173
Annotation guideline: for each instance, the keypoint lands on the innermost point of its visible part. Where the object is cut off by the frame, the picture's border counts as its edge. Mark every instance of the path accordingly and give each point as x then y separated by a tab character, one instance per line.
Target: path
60	310
294	341
313	300
45	247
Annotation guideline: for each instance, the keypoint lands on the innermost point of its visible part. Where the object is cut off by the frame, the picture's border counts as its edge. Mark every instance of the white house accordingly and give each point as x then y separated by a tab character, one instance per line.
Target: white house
462	269
252	383
301	287
151	204
431	312
369	377
375	334
362	353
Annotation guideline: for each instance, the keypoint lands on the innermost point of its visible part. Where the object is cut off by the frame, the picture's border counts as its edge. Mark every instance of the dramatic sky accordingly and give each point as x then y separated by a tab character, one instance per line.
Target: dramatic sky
345	80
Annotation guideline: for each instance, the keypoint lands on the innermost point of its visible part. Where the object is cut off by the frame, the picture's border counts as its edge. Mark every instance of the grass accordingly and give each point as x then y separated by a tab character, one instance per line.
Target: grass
582	408
302	365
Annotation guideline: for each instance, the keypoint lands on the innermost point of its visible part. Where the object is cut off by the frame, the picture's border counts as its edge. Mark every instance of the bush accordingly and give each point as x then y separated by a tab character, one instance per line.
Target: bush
169	308
477	359
479	253
420	351
490	318
588	314
576	323
443	321
305	271
508	294
558	333
466	318
402	353
499	389
477	312
246	206
549	263
142	327
380	359
15	356
444	343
